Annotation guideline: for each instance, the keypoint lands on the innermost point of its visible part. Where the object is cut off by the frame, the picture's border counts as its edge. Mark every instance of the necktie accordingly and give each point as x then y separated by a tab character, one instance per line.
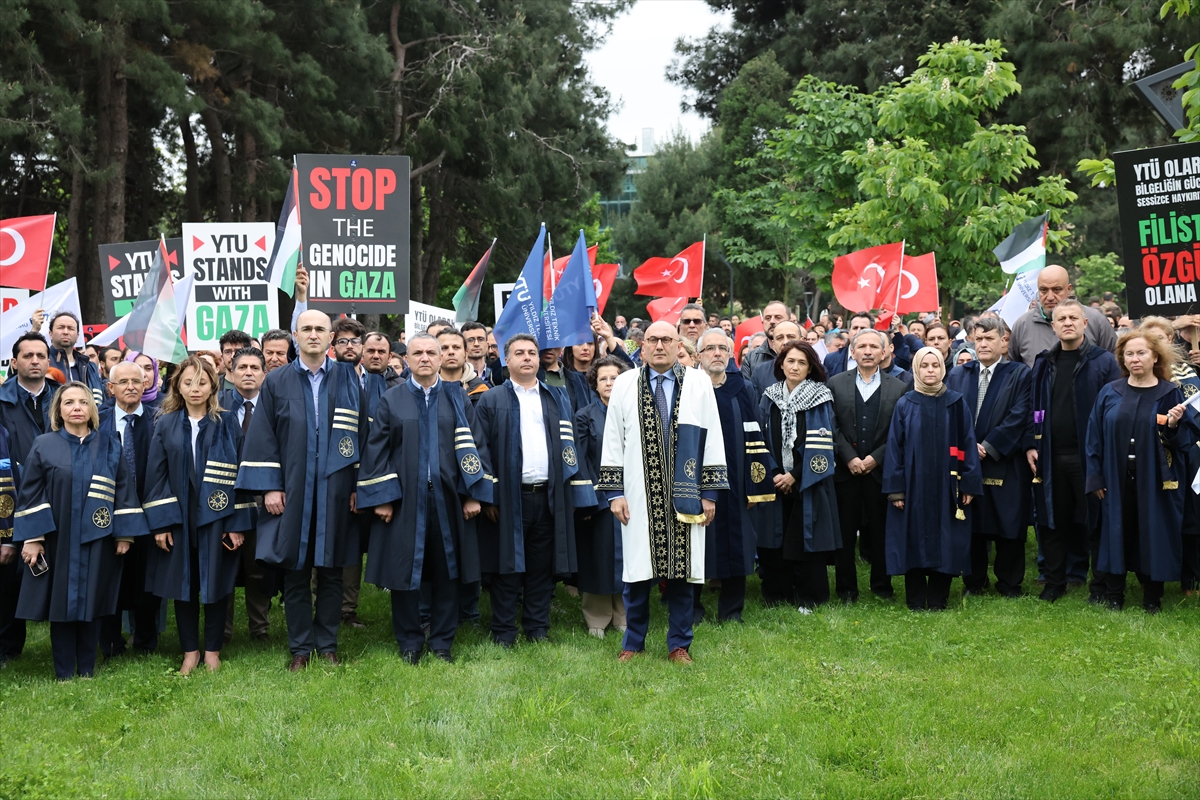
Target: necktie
127	446
246	414
660	400
984	379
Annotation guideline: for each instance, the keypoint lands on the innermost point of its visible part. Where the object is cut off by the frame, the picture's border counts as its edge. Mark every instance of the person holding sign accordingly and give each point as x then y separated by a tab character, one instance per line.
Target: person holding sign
302	453
1135	469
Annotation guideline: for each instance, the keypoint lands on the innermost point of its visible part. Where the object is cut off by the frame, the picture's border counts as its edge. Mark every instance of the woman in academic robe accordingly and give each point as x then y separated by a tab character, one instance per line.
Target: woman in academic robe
76	514
1135	467
597	537
930	474
191	508
798	536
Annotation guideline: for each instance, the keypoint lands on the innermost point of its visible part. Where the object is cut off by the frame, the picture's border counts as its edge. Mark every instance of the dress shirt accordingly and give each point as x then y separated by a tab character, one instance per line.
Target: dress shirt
866	388
315	379
535	458
241	408
426	389
668	388
195	436
119	416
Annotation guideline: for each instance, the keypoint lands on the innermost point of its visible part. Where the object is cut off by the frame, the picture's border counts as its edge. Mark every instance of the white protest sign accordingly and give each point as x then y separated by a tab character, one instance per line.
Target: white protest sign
228	261
420	315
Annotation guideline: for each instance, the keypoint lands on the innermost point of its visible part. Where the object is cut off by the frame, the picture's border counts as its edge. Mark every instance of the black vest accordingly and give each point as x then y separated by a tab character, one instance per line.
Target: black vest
866	417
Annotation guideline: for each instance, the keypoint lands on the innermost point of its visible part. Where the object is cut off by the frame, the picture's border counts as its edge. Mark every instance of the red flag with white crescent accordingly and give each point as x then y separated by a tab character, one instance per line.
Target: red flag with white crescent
25	244
666	309
680	276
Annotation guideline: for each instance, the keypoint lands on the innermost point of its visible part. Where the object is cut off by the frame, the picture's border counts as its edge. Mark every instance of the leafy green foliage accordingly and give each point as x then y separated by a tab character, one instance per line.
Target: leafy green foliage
1095	275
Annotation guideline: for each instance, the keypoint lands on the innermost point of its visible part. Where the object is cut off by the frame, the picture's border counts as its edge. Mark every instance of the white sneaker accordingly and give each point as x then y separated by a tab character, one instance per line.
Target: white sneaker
597	632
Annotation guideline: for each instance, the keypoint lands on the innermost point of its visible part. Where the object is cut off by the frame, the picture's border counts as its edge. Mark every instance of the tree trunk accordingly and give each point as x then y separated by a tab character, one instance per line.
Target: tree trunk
417	257
369	321
76	224
249	153
191	192
220	158
112	148
435	244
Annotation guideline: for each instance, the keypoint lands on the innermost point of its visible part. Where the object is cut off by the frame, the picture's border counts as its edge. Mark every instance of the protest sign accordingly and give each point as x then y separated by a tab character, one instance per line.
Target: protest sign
420	315
354	222
229	263
500	293
124	269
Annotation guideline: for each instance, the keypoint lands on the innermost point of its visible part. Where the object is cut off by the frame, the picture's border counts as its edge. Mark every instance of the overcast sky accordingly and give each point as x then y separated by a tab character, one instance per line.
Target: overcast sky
632	65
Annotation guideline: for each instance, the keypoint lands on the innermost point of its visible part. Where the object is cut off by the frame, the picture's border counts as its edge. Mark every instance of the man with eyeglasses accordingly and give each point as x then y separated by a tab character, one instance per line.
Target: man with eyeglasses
231	342
730	542
663	465
476	336
773	313
691	322
348	335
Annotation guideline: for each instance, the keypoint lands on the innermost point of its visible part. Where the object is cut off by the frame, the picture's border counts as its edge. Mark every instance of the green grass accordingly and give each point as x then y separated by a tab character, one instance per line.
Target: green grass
994	698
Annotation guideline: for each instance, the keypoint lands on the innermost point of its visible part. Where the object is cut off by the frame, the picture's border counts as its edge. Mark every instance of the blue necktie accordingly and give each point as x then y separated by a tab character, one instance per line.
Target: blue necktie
660	400
127	446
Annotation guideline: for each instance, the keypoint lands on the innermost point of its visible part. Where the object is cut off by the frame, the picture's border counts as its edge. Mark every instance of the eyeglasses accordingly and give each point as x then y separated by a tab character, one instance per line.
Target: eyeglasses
344	342
696	321
654	341
126	382
723	348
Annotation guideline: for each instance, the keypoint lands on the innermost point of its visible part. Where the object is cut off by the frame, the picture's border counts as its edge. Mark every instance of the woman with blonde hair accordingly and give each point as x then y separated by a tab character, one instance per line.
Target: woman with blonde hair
1135	468
191	507
77	496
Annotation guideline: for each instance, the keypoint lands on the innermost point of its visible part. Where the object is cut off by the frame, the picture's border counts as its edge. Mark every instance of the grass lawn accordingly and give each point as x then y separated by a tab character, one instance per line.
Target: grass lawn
994	698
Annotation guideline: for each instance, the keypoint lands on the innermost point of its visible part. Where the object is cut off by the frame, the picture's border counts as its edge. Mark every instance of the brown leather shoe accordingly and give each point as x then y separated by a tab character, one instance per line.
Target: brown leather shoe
679	656
628	655
298	663
331	658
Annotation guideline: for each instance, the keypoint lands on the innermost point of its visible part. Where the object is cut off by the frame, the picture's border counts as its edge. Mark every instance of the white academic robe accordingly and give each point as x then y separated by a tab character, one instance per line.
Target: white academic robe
623	469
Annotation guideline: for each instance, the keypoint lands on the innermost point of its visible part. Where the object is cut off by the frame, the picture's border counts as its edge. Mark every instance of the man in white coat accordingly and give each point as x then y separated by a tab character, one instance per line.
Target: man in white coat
663	465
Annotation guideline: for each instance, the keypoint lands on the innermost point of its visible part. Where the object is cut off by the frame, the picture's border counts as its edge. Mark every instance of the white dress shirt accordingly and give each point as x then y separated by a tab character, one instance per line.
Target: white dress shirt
866	388
241	409
535	459
119	423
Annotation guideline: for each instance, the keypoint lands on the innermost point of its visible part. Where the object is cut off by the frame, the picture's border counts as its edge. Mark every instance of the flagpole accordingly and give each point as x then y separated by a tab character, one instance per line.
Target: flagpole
703	257
550	251
50	252
899	281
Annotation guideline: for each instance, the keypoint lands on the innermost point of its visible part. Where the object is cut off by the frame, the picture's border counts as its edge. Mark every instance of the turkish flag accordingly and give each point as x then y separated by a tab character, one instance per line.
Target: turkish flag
743	333
557	268
680	276
603	276
25	244
919	285
859	277
666	309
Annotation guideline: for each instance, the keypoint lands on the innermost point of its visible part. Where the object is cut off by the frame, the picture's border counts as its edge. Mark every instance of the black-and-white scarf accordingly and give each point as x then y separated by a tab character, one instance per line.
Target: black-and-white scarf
808	394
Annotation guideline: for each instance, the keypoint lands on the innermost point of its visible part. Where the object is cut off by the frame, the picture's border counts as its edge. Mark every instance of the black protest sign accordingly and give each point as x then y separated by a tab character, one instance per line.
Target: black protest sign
124	268
354	223
1158	195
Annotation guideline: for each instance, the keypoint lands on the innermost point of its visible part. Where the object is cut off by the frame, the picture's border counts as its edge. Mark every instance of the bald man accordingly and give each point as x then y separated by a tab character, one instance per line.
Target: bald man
1032	333
764	373
301	453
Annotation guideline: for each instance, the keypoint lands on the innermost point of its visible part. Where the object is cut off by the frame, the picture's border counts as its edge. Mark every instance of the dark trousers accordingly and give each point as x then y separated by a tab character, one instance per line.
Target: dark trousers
532	589
73	646
1190	576
12	630
443	598
143	619
862	509
468	602
1068	536
680	598
1009	566
798	583
731	599
310	629
926	588
187	617
260	588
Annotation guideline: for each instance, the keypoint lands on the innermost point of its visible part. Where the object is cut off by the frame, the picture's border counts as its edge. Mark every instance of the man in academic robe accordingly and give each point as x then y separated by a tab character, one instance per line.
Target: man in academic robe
730	542
997	393
1065	382
423	476
25	415
74	364
526	441
863	401
301	453
134	425
248	370
664	464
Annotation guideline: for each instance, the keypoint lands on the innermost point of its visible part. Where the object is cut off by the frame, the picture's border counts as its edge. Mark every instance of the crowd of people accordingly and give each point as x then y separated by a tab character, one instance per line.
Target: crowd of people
649	458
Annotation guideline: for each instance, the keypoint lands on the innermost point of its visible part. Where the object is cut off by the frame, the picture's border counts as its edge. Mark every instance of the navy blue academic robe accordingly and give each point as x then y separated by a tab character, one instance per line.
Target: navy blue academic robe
498	418
807	517
78	496
409	444
1161	478
597	536
1002	427
730	540
932	460
85	371
1097	368
192	496
310	454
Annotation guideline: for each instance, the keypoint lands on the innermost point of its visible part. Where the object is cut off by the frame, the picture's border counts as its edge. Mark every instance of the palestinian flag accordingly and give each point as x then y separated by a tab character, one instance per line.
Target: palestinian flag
153	325
286	257
1025	248
466	299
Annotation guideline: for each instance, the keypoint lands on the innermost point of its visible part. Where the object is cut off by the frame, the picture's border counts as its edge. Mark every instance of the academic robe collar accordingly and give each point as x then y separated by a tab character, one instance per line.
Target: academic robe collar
1156	393
302	368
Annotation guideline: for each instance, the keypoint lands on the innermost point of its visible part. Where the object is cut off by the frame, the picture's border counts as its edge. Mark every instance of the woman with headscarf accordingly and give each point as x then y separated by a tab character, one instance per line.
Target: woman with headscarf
149	365
798	536
1135	467
930	474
